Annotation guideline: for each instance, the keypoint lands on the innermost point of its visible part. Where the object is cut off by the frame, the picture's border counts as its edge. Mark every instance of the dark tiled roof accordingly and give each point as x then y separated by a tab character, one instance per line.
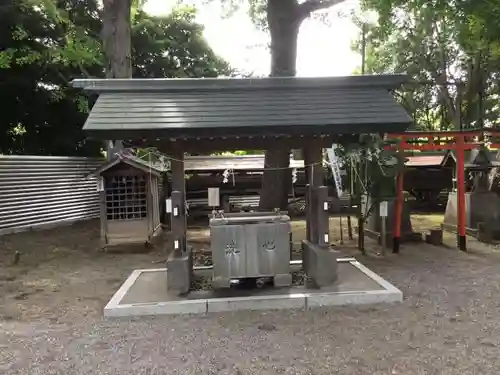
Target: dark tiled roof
477	157
131	160
190	108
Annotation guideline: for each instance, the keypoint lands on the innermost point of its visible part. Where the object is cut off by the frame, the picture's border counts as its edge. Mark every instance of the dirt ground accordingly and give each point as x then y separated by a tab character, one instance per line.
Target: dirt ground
52	300
61	274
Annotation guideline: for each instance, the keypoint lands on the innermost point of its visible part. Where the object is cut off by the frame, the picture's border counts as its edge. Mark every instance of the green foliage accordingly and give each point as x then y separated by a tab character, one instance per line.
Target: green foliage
46	47
173	46
38	61
439	42
372	167
70	43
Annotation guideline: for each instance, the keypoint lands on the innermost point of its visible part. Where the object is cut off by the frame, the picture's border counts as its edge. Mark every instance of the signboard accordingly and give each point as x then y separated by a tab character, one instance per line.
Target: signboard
100	184
213	197
168	205
383	209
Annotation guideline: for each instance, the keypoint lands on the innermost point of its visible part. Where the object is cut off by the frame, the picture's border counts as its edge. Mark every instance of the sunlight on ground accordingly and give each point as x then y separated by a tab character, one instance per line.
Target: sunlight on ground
76	281
426	222
41	283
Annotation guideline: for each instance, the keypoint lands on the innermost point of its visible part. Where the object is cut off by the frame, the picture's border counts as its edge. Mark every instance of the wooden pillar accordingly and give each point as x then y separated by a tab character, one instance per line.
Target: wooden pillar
461	234
398	213
179	223
399	208
318	259
362	201
104	214
308	199
177	167
313	162
321	212
166	193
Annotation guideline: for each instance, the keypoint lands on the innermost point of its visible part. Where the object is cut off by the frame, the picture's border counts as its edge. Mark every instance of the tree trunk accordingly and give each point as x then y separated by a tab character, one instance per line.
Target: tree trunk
284	23
472	92
116	40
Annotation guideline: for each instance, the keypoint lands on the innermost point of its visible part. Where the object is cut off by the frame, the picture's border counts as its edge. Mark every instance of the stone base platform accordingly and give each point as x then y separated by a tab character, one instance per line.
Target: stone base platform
145	293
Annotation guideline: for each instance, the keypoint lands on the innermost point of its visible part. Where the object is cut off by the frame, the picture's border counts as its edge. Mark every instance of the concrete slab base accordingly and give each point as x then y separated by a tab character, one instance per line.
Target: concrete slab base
145	293
180	276
320	264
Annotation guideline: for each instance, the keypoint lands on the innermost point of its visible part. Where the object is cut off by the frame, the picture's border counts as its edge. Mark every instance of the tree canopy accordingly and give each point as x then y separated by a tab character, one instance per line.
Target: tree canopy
173	46
49	43
450	47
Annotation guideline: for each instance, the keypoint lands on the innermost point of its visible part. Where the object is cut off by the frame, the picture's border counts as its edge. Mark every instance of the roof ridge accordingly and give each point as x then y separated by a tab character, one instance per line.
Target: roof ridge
388	81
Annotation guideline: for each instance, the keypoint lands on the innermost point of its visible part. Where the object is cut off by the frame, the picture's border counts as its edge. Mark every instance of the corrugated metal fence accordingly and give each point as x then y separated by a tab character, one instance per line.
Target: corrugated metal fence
37	191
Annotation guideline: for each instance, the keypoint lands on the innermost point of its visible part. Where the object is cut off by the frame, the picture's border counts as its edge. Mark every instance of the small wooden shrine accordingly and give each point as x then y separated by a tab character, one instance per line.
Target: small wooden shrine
130	190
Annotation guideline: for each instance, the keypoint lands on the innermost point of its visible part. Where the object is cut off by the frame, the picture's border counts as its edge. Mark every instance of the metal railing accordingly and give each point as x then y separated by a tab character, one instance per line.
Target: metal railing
41	191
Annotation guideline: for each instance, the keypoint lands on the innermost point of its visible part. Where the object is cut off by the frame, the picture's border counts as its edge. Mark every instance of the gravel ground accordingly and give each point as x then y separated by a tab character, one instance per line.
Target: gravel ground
448	324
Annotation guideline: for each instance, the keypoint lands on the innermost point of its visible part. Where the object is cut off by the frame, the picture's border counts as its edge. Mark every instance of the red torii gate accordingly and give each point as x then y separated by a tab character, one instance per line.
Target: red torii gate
458	141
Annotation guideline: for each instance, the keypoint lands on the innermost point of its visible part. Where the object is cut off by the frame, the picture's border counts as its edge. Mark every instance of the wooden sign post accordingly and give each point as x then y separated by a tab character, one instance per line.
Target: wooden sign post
383	211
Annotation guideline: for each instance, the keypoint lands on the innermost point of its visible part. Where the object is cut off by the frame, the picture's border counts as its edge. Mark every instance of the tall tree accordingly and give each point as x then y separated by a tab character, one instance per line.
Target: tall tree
116	38
282	19
116	42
